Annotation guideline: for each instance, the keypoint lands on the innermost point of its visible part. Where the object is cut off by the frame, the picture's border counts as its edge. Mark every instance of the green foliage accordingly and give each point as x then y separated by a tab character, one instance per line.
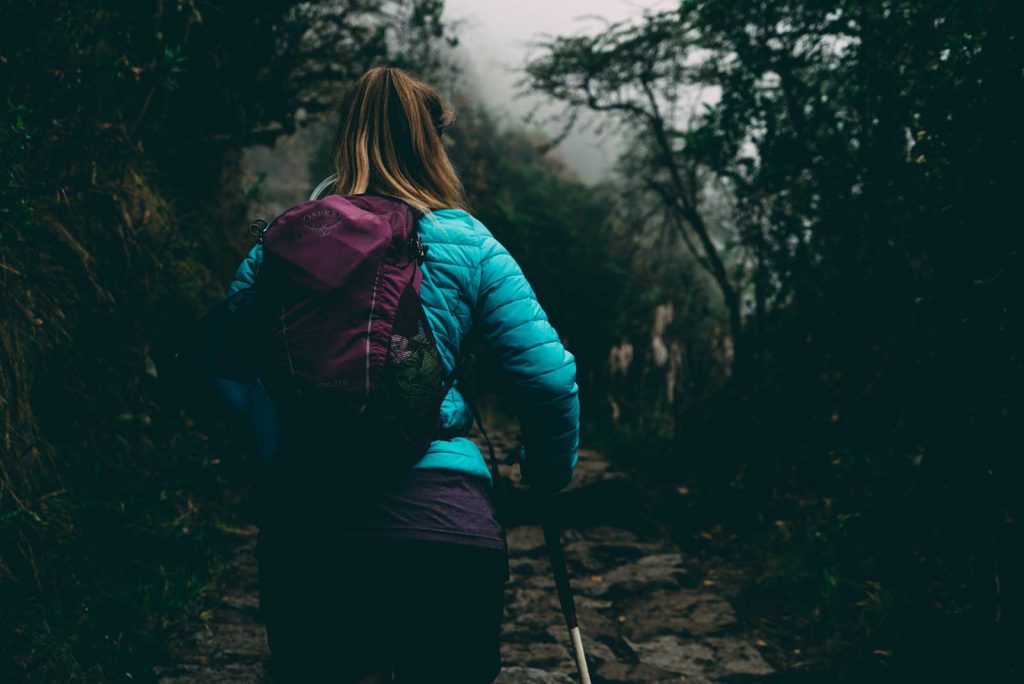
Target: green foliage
867	154
122	216
642	74
600	265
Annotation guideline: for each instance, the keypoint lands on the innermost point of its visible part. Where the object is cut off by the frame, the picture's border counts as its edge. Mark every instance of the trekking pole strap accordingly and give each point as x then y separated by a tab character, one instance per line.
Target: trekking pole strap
459	371
492	456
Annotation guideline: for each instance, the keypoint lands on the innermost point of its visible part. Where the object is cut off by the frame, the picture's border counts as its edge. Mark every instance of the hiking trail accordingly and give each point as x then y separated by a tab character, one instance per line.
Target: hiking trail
648	613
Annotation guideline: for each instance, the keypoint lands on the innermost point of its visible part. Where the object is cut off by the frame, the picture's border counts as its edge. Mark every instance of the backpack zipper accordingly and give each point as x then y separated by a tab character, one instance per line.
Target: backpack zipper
369	325
287	347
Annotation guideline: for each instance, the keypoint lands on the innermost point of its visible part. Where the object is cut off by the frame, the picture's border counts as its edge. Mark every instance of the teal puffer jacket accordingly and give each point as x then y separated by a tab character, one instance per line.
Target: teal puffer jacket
470	280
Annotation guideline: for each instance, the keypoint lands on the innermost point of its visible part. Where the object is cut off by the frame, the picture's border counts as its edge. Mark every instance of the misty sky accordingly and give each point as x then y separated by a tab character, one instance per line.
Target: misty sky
495	37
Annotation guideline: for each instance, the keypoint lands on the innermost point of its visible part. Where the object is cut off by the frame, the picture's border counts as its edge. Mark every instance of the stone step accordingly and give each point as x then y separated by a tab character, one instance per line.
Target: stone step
643	611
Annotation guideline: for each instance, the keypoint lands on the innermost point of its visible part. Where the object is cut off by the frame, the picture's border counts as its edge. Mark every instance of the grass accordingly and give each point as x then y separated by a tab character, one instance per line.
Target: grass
109	494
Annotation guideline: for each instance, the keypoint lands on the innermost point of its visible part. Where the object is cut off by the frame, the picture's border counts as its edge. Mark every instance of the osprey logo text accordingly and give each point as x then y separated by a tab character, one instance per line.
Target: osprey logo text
321	221
334	384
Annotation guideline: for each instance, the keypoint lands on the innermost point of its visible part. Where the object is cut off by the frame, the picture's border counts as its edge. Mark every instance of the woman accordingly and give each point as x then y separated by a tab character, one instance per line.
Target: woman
407	582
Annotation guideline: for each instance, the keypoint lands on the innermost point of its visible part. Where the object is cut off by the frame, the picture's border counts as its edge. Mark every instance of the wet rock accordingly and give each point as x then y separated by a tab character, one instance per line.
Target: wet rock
611	537
592	468
624	673
248	605
529	572
694	659
530	610
646	574
529	675
234	640
595	619
597	652
712	660
526	540
683	612
547	656
738	657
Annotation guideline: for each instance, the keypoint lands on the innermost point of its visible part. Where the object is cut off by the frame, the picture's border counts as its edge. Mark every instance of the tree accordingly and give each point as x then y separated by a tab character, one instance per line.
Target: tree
121	215
869	153
642	73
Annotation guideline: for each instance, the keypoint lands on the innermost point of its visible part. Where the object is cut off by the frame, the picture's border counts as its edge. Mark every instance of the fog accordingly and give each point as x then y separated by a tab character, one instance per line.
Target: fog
495	39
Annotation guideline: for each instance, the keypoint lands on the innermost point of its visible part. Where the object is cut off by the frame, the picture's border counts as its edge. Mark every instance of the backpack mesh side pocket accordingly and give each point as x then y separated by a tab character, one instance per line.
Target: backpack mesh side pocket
414	375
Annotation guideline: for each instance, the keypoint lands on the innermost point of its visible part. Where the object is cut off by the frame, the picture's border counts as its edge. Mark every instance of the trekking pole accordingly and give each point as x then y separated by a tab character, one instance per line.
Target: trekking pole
553	540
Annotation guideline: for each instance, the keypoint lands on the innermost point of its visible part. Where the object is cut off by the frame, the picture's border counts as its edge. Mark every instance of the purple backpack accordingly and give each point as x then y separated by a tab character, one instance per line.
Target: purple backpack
345	338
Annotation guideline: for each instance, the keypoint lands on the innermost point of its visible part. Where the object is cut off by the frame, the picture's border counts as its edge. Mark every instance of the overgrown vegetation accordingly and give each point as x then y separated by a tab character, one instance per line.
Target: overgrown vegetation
867	261
121	217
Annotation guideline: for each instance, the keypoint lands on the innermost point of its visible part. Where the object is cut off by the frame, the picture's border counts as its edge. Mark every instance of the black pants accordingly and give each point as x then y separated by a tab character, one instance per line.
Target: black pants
339	611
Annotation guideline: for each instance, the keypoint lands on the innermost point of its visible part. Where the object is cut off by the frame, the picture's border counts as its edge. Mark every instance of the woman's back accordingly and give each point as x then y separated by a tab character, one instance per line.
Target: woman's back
438	521
414	567
472	284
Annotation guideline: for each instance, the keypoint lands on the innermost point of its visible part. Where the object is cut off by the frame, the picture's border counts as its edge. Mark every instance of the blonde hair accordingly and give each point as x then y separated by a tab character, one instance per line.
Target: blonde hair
389	142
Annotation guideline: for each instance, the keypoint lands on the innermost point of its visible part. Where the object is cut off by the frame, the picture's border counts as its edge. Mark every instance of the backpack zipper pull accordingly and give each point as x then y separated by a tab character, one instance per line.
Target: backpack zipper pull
257	228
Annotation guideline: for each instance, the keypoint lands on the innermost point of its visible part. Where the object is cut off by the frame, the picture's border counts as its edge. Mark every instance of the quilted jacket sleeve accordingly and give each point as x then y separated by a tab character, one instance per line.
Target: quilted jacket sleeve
245	274
541	371
248	402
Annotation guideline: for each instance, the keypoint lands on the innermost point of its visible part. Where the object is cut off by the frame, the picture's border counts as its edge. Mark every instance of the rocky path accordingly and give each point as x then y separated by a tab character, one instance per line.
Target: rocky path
647	612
